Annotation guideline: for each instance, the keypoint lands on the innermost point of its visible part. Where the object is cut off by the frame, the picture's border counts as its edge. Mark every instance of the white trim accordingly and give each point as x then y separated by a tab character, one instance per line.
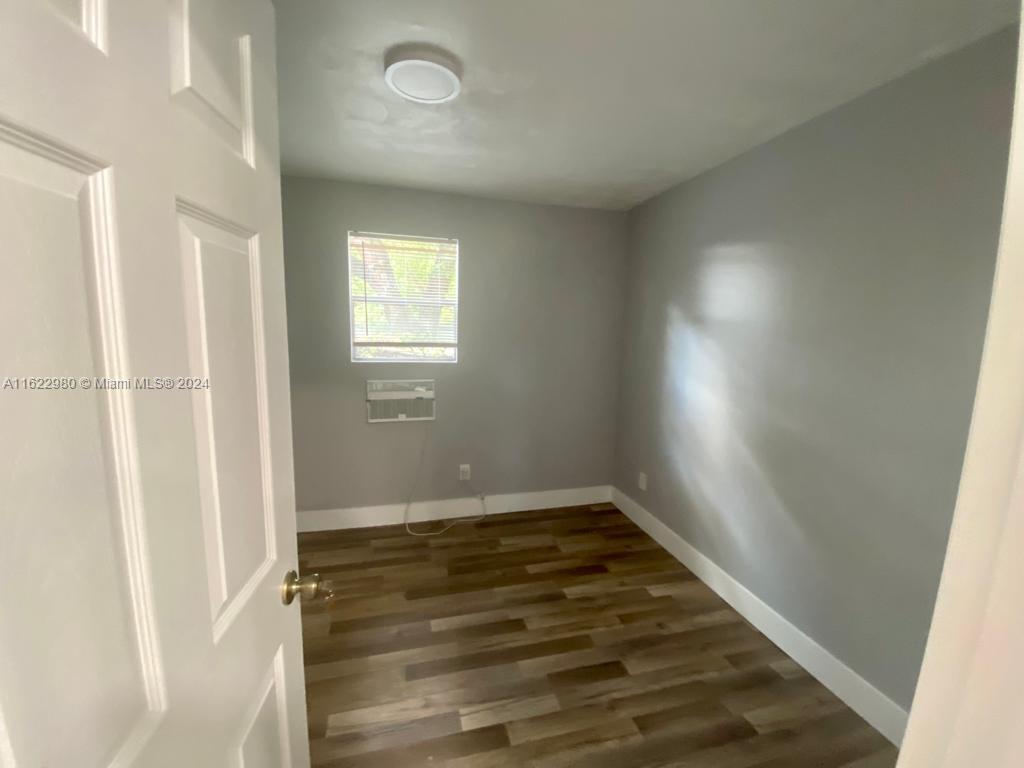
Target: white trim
879	710
967	708
444	509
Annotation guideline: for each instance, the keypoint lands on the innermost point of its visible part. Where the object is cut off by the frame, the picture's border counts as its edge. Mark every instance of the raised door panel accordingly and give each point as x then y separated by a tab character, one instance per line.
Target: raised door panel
212	71
224	315
84	685
90	16
264	741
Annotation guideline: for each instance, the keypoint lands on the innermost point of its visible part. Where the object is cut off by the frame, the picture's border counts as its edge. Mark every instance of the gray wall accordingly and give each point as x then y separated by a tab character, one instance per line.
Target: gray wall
531	402
804	327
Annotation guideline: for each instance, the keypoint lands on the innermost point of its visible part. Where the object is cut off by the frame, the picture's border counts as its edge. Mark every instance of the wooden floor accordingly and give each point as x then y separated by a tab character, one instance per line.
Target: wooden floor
562	637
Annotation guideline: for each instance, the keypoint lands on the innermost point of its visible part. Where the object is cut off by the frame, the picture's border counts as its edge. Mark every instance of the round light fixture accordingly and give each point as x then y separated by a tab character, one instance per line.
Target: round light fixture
422	73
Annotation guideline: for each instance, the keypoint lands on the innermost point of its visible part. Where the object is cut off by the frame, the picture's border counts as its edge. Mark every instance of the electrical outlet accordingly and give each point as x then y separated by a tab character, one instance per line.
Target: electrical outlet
464	472
641	481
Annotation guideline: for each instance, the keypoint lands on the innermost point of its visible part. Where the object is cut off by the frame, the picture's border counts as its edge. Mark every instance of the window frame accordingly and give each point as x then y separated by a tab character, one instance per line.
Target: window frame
351	306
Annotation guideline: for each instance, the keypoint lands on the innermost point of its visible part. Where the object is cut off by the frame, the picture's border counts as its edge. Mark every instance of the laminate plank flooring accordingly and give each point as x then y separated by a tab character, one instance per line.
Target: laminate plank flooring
559	637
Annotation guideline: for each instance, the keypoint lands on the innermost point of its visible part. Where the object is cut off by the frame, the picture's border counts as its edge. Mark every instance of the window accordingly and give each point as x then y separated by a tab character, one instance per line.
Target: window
403	298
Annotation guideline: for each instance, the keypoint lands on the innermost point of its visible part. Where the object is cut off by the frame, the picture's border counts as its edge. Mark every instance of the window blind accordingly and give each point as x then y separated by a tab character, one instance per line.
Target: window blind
403	297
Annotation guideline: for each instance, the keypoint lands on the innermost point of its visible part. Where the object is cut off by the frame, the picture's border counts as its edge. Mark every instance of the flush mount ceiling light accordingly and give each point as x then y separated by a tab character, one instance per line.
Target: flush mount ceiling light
422	73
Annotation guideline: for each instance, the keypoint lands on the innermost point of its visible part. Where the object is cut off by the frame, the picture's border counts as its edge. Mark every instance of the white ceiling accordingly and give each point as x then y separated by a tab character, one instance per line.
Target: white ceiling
595	103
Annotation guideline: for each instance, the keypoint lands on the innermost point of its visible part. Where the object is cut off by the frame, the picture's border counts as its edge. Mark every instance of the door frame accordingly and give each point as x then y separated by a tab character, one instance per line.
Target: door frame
968	707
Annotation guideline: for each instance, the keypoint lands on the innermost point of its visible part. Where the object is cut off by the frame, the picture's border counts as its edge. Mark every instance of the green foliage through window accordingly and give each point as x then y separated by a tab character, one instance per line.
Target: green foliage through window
403	297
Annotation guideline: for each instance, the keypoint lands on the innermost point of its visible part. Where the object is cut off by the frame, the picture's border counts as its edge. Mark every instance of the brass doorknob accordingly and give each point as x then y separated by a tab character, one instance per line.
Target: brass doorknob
308	587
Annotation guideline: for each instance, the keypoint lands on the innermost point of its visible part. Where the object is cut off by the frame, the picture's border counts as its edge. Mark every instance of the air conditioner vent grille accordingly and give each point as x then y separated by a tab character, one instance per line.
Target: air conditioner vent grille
400	400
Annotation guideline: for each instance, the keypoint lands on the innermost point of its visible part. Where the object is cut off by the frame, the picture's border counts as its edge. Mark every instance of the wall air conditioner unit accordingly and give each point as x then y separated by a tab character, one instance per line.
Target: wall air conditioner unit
399	400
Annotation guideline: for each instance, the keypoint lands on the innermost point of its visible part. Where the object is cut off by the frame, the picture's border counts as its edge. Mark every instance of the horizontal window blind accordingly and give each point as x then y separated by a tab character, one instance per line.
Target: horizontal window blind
403	297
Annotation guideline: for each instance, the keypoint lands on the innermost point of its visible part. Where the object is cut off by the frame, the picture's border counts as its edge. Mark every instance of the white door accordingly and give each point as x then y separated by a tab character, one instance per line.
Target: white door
969	709
144	530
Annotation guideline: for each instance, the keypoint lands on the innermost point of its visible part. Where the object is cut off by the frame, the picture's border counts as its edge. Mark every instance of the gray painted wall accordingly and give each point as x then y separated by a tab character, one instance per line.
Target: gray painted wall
531	402
804	327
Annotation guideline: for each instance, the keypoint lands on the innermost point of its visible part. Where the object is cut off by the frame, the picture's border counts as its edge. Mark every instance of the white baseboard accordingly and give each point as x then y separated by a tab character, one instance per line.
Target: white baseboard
444	509
888	717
